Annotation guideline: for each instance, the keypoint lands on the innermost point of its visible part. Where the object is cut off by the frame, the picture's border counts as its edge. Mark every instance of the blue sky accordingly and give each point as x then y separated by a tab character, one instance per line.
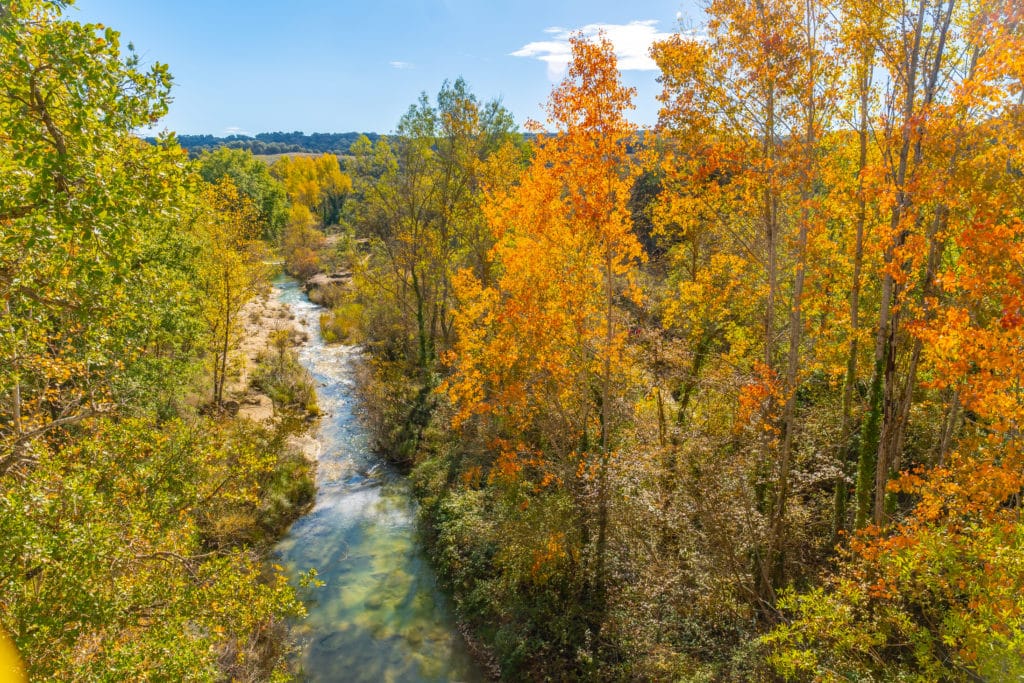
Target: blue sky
323	66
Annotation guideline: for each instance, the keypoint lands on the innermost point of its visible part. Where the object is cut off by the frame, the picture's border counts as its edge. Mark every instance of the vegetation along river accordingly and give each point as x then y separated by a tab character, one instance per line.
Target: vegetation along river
379	615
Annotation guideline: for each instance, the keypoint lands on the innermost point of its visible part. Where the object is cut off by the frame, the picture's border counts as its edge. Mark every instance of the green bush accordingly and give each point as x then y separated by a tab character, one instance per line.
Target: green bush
342	324
288	490
113	568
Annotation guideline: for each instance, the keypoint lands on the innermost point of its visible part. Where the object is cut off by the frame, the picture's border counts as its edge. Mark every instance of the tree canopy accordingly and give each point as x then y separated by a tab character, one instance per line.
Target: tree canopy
129	524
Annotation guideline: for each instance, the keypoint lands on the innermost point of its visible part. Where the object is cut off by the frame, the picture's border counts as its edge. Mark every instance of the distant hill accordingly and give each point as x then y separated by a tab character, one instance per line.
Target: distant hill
275	143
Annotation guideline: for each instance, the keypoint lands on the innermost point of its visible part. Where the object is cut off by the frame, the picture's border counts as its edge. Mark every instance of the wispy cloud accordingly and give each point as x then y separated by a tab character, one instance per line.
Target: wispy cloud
402	65
235	130
632	42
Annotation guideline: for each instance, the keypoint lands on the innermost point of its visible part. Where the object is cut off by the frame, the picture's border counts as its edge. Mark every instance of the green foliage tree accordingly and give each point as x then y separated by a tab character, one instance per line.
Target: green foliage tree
254	181
122	560
419	206
131	528
80	187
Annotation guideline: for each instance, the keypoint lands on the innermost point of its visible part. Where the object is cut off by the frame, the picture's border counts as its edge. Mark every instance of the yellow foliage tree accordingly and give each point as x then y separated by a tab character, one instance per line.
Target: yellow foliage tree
232	271
317	183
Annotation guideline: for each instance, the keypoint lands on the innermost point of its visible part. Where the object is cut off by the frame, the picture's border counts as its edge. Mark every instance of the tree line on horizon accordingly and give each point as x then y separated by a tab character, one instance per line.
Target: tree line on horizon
272	143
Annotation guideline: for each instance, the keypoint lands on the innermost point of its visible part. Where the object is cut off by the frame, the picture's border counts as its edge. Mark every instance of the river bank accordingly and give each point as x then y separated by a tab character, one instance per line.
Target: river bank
271	327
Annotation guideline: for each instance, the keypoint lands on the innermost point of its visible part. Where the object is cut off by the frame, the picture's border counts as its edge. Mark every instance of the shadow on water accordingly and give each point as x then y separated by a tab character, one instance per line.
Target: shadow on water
379	615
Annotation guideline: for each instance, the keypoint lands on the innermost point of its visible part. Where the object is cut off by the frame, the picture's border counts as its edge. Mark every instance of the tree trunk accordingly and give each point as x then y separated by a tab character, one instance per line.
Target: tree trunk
600	587
874	456
219	399
846	429
421	326
792	384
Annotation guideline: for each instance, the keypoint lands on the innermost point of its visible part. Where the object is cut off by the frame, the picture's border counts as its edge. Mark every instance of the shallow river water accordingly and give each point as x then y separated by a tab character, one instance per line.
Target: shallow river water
380	615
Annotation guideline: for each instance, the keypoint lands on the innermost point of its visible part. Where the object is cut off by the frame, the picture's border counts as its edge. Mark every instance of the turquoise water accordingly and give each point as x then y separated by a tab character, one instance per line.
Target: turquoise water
380	616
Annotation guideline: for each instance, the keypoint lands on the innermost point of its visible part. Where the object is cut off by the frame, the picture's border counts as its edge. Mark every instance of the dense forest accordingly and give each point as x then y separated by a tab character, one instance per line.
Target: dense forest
741	403
135	508
733	399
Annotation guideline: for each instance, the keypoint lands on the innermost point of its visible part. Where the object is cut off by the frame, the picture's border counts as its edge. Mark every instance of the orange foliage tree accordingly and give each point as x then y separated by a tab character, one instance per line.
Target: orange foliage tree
745	115
540	352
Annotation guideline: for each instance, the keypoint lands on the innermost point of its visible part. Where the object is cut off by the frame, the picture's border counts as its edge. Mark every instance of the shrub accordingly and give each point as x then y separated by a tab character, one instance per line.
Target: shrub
280	376
342	324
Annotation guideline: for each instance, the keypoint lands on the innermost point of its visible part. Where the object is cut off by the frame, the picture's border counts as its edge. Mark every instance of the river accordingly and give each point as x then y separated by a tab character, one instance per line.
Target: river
379	616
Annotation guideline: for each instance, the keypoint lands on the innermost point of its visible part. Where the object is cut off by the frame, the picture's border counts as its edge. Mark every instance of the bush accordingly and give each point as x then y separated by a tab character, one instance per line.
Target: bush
303	263
342	324
330	295
112	554
289	490
280	376
302	244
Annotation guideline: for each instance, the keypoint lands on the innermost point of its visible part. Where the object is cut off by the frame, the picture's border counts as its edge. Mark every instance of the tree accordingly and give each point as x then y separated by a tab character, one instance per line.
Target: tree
419	208
315	182
935	593
745	112
926	62
110	503
77	188
254	182
302	243
231	271
539	352
858	50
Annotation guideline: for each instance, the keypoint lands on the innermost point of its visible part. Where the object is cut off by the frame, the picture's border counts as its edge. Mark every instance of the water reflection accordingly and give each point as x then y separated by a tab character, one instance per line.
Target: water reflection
379	616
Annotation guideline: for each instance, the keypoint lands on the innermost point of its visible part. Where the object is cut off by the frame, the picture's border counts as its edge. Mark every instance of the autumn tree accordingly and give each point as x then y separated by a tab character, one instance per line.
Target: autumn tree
857	52
231	272
76	187
419	208
745	112
112	491
255	182
936	593
540	353
302	243
317	183
929	56
831	308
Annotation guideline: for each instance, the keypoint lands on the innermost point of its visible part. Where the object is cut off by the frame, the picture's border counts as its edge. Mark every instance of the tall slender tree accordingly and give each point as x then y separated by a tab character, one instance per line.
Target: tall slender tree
541	350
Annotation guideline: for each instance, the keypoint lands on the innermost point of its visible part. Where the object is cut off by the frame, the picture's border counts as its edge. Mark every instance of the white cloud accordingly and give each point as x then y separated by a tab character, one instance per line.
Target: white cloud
235	130
631	41
402	65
